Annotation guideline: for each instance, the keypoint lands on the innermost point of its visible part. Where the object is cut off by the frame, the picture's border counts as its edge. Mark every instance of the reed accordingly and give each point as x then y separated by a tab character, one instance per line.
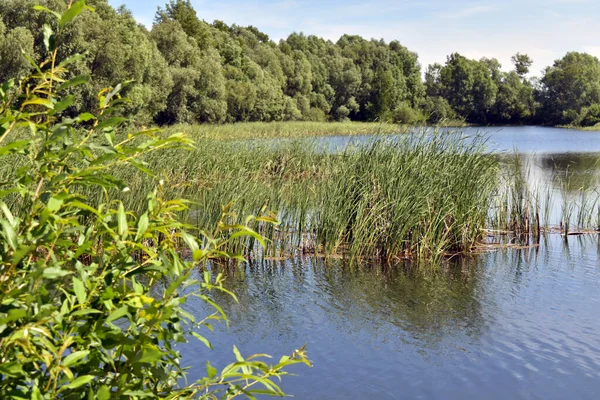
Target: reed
421	195
418	195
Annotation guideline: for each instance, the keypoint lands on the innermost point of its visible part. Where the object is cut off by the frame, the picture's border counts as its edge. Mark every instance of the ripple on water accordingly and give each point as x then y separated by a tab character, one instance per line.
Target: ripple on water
510	324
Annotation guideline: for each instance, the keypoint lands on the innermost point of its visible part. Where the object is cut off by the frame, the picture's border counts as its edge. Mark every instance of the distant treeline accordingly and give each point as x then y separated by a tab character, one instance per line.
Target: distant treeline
188	70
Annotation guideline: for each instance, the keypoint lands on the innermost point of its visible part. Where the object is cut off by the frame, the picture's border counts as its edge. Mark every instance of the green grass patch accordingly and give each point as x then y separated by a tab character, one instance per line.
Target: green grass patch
266	130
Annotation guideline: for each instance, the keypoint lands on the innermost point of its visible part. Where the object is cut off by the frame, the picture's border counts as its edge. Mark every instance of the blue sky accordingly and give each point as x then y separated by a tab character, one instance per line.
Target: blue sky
544	29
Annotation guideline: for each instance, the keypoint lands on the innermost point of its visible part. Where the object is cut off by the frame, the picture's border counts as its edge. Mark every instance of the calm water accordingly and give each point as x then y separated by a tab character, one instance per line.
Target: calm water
524	139
513	323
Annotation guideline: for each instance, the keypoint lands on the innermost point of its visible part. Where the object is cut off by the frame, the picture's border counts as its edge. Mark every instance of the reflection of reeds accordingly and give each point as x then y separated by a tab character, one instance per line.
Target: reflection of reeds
525	208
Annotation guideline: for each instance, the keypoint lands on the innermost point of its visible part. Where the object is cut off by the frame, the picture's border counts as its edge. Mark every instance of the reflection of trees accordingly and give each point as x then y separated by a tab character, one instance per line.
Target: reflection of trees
428	304
572	171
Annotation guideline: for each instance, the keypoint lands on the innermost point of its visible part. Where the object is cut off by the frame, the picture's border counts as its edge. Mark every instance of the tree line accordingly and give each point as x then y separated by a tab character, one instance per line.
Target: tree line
185	70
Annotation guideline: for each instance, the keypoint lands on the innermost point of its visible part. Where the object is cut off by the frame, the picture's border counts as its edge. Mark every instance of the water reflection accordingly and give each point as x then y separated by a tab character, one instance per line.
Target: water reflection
512	323
572	172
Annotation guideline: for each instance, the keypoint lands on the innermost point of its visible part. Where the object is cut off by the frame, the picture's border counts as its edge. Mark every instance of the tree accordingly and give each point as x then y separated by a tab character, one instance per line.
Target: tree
568	87
14	46
198	93
183	12
514	101
522	62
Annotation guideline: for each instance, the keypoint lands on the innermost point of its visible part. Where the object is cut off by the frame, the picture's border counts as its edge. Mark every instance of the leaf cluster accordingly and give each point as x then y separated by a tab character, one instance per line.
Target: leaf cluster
92	295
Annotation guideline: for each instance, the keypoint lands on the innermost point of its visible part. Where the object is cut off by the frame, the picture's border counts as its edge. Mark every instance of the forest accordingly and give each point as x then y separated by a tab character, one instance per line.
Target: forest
186	70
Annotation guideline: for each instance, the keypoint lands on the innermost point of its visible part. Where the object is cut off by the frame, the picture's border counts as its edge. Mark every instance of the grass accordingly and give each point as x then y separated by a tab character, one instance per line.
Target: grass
295	130
526	208
407	196
266	130
594	128
413	196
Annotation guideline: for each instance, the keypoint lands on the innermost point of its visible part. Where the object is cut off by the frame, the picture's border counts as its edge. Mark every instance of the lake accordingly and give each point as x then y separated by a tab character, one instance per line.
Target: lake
510	323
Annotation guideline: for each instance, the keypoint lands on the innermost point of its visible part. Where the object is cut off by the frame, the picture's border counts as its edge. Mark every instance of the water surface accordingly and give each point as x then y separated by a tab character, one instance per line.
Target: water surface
512	323
523	139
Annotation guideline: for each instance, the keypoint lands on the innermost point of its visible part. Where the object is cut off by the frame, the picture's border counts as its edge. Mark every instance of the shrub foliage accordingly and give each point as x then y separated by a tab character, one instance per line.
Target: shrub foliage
92	295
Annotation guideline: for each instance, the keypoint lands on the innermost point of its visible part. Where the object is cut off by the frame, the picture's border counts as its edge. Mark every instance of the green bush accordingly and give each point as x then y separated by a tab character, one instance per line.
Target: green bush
405	114
437	109
93	295
591	115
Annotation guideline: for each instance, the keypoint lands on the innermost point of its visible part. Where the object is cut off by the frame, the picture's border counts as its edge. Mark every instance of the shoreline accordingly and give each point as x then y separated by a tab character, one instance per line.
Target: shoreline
299	129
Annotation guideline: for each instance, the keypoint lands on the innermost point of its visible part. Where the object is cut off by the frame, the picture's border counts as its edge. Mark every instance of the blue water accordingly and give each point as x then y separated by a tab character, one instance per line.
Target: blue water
507	324
523	139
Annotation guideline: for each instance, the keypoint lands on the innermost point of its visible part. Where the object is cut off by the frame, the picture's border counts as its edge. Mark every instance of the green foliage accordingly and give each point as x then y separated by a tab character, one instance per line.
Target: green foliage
186	70
478	91
405	114
93	293
569	86
15	47
522	63
437	109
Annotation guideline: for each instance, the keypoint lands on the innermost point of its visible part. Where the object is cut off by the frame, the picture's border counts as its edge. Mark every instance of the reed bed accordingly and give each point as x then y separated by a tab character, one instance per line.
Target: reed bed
418	195
527	208
402	196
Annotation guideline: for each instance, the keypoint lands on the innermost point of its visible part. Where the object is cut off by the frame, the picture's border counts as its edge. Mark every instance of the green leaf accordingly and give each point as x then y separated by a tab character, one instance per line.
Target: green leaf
13	369
39	102
55	204
150	356
84	117
74	357
202	339
112	94
41	8
71	60
79	289
49	42
142	226
122	221
135	394
190	241
198	255
14	147
36	394
111	122
21	252
244	231
54	273
78	80
72	12
9	234
79	381
210	370
237	354
103	393
118	313
63	105
7	213
86	311
13	315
